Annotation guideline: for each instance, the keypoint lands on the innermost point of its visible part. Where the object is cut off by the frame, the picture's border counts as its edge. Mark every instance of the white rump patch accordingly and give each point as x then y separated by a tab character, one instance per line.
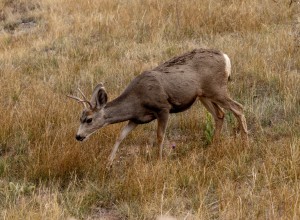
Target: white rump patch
227	64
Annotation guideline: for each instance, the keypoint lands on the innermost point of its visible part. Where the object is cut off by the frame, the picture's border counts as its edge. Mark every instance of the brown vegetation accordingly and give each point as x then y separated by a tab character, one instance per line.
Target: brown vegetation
49	48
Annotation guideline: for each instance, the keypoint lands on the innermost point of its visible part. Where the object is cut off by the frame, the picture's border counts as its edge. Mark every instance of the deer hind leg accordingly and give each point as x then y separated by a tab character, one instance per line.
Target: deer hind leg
237	109
125	131
162	121
217	114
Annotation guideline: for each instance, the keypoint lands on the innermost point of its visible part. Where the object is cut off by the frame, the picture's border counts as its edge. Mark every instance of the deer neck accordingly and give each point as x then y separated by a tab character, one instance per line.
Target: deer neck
118	110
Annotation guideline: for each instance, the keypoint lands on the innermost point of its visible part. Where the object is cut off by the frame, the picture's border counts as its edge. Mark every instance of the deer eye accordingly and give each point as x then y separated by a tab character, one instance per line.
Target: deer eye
89	120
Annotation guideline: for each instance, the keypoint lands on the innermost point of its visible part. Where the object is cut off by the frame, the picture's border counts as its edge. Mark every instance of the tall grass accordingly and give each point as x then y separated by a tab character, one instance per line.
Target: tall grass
49	48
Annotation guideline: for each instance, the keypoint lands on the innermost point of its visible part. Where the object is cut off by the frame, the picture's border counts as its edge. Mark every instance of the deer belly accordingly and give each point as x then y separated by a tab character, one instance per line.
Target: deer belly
181	106
143	119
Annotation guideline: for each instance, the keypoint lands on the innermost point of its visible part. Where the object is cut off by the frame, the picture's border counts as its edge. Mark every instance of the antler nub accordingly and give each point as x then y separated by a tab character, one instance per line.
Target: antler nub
79	100
82	94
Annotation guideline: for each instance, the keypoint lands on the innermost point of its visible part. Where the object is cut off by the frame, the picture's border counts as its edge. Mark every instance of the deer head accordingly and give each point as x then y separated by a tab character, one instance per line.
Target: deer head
92	117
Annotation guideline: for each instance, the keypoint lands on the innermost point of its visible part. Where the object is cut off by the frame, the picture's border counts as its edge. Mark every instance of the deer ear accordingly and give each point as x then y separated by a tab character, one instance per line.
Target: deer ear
99	96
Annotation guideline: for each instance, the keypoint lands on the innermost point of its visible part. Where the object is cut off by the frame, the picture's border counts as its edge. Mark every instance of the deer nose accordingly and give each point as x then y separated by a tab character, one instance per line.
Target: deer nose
79	138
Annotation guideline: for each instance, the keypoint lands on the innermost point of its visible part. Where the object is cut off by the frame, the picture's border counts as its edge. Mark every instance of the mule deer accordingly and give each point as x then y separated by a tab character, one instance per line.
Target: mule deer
169	88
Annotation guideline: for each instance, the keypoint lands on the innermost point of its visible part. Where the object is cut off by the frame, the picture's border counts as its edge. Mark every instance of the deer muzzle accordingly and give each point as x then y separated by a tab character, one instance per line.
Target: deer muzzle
79	138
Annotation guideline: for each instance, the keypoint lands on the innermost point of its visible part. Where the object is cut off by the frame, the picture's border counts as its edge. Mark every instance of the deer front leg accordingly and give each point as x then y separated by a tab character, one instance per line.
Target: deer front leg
125	131
162	121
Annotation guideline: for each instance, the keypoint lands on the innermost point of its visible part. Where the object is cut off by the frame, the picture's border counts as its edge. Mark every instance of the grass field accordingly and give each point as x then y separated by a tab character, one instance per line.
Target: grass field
49	48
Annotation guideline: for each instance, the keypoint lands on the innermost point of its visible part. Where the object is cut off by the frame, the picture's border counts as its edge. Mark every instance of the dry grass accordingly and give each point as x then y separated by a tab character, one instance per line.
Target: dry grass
49	48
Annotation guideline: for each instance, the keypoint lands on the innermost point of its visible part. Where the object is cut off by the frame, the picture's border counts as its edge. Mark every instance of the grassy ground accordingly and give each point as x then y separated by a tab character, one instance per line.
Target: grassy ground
49	48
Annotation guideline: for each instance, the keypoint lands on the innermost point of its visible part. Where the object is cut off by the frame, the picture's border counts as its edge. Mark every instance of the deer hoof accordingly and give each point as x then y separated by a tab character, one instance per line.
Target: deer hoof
109	165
